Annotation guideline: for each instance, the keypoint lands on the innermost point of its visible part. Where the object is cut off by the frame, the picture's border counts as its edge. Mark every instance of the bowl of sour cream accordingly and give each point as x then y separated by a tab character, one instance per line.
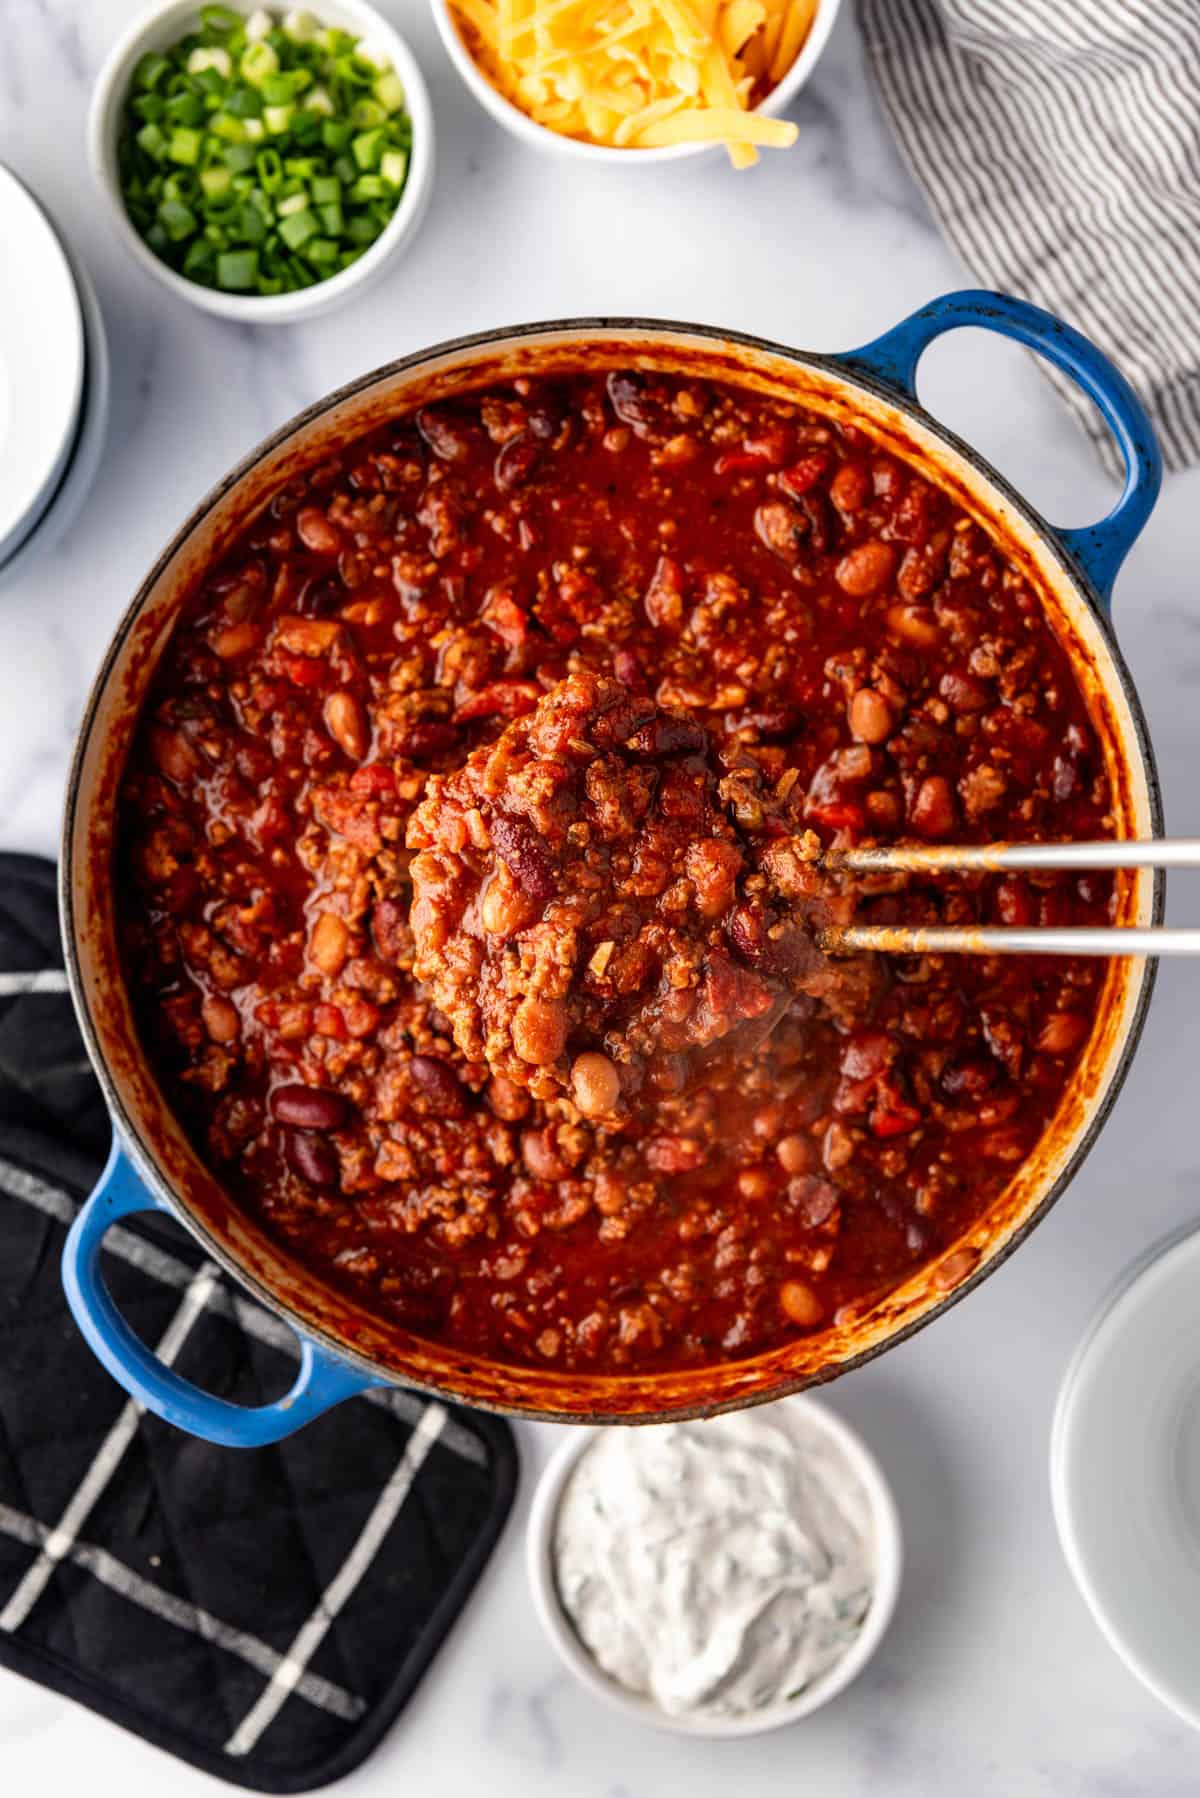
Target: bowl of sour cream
718	1578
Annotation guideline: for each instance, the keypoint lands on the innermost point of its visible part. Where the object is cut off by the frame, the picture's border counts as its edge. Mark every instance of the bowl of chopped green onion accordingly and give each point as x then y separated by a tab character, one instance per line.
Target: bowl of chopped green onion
264	163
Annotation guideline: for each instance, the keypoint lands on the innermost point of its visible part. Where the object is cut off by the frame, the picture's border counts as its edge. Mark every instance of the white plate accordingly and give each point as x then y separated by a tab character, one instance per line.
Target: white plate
65	503
1125	1470
41	362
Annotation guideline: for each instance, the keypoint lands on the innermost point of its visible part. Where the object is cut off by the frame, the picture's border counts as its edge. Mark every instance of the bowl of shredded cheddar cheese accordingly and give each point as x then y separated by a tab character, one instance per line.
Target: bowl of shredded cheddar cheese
641	80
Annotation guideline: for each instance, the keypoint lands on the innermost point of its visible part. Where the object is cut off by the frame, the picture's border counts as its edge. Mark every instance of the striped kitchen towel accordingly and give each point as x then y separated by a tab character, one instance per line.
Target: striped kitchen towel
264	1614
1058	142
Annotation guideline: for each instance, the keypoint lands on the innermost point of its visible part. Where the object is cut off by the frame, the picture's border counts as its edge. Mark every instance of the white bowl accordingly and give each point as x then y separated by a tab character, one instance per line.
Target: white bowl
539	1557
540	137
42	355
162	26
1125	1470
67	501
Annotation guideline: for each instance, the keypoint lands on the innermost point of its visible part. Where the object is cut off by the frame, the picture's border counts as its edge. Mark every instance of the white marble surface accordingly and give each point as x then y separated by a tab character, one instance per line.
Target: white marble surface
993	1680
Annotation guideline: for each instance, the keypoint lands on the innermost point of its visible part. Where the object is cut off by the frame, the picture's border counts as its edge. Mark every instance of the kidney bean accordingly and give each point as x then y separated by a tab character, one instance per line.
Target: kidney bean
663	601
320	597
540	1155
308	1107
314	1158
932	813
516	462
439	1083
526	856
451	436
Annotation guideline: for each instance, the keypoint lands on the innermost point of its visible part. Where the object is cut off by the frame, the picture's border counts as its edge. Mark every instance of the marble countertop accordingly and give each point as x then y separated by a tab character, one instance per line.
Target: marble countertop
993	1679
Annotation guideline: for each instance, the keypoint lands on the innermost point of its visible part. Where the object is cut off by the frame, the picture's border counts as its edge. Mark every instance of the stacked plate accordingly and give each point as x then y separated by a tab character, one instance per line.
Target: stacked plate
53	381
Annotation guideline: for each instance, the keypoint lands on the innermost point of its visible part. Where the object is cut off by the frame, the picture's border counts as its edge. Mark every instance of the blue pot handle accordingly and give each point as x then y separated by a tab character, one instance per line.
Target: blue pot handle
1099	549
323	1379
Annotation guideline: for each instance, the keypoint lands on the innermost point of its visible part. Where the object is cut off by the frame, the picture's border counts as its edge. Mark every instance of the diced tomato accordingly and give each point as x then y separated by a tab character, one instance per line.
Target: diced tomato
837	814
305	671
328	1021
804	474
502	699
374	779
502	614
892	1114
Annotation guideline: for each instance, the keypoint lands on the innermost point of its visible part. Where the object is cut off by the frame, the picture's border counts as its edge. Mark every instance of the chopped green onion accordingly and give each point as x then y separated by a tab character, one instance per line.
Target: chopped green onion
237	269
367	149
152	140
150	70
297	228
300	26
185	146
393	166
217	59
258	61
260	154
177	220
389	91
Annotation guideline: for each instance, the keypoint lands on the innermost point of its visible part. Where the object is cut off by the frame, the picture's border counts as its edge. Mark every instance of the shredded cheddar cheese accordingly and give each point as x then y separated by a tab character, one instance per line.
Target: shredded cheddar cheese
641	73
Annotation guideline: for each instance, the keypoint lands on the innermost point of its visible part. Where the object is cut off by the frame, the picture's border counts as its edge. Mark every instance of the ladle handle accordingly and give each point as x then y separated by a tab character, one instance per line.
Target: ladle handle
322	1380
1097	550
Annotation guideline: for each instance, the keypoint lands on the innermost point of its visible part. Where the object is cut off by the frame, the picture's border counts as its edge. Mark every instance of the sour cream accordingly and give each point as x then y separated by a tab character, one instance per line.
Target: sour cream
716	1568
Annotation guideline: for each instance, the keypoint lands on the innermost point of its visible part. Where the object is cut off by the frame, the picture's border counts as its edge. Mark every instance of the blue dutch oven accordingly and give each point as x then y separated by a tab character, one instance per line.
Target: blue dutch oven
344	1348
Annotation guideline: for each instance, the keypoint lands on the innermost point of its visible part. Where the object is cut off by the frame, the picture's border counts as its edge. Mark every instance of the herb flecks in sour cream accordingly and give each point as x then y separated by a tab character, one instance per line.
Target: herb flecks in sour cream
719	1567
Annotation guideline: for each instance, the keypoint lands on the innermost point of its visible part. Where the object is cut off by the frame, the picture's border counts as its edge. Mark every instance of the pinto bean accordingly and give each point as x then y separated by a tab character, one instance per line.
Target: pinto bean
850	487
1062	1032
795	1153
329	945
866	568
316	533
347	725
539	1030
870	716
595	1084
800	1304
220	1019
308	1107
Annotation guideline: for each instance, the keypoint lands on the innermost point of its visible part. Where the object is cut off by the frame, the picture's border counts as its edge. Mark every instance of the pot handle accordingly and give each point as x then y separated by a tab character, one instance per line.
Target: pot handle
323	1379
1098	549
